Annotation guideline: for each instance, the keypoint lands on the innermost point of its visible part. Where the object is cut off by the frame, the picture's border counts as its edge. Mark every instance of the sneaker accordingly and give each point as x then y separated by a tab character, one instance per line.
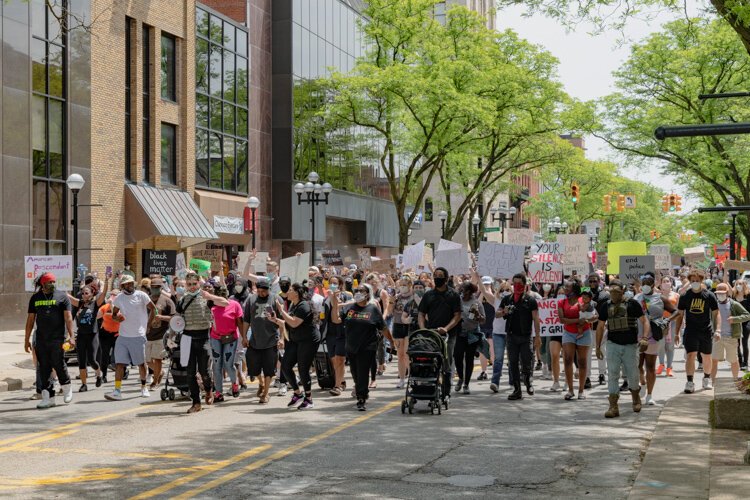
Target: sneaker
361	405
581	396
700	367
67	393
307	404
602	379
98	381
46	402
276	384
149	379
336	391
538	366
545	373
293	402
218	397
83	388
669	372
587	385
235	391
36	396
650	400
466	390
624	387
555	387
115	395
494	388
144	392
282	390
482	376
459	385
660	369
707	385
400	384
689	388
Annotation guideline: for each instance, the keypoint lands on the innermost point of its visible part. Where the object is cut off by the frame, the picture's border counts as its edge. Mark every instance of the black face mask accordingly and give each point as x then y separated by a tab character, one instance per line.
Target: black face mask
348	286
440	282
284	287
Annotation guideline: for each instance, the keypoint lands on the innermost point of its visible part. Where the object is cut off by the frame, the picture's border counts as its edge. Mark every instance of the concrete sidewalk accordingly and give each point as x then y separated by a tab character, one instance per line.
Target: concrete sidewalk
688	460
16	366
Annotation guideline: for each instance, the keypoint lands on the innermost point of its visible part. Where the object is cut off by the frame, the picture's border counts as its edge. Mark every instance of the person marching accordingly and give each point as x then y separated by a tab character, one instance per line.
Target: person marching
728	331
86	336
470	336
335	335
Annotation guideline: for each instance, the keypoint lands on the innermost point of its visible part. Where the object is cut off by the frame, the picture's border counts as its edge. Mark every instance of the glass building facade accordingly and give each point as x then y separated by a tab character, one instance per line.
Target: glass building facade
221	73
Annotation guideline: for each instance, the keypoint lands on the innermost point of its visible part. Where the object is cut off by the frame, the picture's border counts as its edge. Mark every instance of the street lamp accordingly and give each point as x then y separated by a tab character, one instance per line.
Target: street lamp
502	214
253	203
75	183
593	241
732	238
554	226
443	216
476	221
315	194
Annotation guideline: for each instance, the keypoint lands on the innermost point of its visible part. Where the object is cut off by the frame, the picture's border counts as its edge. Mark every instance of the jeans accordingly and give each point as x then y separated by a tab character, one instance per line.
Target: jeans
519	347
666	348
50	356
743	354
623	357
200	352
498	344
301	354
223	356
360	363
463	355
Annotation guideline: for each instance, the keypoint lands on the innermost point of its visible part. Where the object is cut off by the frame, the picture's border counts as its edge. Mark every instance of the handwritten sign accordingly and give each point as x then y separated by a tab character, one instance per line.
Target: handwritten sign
663	257
448	245
295	267
515	236
736	265
332	258
365	258
695	254
413	255
59	265
576	256
213	255
246	264
500	260
384	266
545	265
161	262
617	248
456	261
550	325
632	267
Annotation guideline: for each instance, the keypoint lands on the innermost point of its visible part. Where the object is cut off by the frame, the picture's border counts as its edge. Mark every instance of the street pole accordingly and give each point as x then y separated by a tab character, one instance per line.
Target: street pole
312	239
252	210
732	249
76	281
313	191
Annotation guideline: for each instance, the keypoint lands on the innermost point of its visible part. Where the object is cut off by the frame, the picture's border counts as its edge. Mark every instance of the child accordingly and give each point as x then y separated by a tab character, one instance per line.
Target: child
587	309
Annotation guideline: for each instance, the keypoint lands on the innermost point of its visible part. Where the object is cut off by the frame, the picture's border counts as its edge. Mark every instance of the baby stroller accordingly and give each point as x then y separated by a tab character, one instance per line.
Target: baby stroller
428	361
176	371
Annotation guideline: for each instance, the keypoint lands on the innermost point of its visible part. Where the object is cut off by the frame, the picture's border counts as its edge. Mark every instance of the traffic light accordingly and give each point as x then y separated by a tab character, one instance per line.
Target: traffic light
620	202
652	233
607	203
672	202
678	203
665	203
575	192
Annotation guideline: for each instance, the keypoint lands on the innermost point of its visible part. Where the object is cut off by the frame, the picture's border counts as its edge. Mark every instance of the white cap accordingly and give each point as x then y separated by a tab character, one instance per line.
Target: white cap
487	280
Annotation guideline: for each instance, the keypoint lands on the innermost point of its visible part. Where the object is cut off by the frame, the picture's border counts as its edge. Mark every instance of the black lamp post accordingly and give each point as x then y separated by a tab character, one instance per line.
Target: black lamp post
75	183
443	216
314	195
502	214
253	203
554	226
476	221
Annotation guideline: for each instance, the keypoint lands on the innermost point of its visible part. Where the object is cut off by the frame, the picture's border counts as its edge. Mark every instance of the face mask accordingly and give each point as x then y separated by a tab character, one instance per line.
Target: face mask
562	296
50	288
180	290
546	288
271	276
284	287
238	288
628	295
155	292
419	293
128	291
722	297
440	282
646	289
404	290
518	287
695	285
334	288
359	297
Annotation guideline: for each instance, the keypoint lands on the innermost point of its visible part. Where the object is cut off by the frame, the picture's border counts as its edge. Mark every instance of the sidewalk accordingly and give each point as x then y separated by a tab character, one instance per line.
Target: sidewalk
688	460
16	368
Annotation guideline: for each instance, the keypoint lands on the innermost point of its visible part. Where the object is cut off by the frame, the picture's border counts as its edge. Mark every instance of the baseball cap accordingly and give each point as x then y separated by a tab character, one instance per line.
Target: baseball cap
486	280
157	282
126	278
353	267
262	283
285	279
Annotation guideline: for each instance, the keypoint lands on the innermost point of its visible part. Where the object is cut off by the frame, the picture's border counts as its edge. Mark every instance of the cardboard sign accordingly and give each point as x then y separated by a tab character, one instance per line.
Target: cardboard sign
576	256
500	260
448	245
427	260
515	236
295	267
695	254
332	258
365	258
162	262
59	265
545	265
413	255
617	248
737	265
384	266
456	261
632	267
663	257
550	325
601	261
214	256
246	265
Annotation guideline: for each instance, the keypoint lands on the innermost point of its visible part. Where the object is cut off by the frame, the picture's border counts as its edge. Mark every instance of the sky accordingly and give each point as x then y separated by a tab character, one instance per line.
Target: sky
586	63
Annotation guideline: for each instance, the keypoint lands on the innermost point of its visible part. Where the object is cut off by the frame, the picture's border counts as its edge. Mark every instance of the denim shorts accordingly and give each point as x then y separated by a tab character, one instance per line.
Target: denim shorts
572	338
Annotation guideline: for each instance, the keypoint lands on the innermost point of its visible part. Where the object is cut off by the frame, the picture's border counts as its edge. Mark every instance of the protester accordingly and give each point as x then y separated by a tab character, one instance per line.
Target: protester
498	338
742	295
401	326
86	336
488	304
223	340
155	352
728	331
108	333
577	337
470	336
667	343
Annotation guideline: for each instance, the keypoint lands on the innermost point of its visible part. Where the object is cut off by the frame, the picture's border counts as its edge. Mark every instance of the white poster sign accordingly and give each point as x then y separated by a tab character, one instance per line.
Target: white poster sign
576	255
545	265
663	256
550	325
413	255
365	258
295	267
229	225
500	260
456	261
448	245
59	265
515	236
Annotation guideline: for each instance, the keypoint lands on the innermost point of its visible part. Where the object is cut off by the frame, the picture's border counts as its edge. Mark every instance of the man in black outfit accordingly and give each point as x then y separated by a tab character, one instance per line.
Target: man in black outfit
440	310
520	311
599	295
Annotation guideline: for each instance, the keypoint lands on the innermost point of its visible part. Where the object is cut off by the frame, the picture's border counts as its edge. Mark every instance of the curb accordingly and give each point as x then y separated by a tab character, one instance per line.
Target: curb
16	384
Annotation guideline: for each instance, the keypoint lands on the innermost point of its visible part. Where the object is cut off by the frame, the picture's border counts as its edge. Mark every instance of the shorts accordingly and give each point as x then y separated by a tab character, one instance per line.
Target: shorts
262	360
130	351
725	349
556	338
653	348
155	350
487	334
400	331
573	338
698	342
336	345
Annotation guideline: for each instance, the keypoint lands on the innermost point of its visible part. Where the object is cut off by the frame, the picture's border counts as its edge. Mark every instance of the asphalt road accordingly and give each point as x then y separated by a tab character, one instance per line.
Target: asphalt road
483	446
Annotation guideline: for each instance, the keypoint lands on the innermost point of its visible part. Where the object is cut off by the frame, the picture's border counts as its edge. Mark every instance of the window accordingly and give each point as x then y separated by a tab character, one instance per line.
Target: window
168	68
428	210
128	103
168	154
48	111
221	102
146	104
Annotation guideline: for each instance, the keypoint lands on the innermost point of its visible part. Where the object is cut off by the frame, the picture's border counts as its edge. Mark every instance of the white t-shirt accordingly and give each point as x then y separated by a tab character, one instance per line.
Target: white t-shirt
498	325
135	309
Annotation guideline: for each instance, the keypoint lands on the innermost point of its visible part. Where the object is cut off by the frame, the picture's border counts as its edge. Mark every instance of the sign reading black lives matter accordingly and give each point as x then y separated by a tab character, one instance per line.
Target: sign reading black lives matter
632	267
159	262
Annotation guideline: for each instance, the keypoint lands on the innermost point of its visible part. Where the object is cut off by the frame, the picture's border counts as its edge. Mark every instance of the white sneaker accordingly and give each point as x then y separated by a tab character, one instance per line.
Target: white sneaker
282	390
400	384
149	379
555	387
144	392
67	393
494	388
649	400
47	401
545	373
689	388
707	385
115	395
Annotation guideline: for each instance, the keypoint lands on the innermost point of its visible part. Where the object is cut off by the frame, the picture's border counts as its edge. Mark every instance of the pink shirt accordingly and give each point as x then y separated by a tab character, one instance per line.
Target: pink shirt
225	319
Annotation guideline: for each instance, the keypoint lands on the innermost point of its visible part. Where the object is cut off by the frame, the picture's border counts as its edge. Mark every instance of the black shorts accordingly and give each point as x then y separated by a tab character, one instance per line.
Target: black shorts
262	360
336	345
487	334
400	331
556	338
697	342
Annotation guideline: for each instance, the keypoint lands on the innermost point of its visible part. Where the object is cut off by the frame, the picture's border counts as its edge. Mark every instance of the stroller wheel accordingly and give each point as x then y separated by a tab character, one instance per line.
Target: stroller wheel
411	406
163	394
171	394
403	407
445	403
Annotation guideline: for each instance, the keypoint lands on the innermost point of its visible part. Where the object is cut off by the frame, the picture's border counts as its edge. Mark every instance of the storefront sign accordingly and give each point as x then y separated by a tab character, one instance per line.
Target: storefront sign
161	262
229	225
59	265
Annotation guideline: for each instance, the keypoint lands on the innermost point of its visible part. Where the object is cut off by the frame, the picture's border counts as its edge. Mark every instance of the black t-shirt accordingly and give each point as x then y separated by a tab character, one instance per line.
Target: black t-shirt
86	318
307	330
362	324
440	307
264	333
698	308
629	309
334	330
521	318
50	314
489	315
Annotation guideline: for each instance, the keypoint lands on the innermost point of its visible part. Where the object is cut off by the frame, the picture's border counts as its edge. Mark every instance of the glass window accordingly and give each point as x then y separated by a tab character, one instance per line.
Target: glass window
216	120
201	66
57	211
39	206
216	79
241	42
54	14
229	36
242	166
228	76
428	210
336	24
215	162
128	97
201	22
55	139
228	118
201	110
54	69
201	158
38	18
242	81
305	54
168	154
168	68
146	143
296	49
241	122
38	66
216	32
39	135
229	165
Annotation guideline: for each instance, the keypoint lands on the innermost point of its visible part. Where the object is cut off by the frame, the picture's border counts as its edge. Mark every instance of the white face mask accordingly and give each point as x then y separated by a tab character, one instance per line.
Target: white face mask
359	297
238	288
646	290
547	287
722	297
628	295
695	285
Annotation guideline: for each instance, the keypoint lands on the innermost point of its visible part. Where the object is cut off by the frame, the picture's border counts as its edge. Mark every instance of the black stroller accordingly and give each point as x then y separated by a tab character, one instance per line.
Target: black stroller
428	362
176	371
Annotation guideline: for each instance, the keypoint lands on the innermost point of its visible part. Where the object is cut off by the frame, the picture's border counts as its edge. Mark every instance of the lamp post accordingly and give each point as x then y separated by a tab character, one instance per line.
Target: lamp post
315	194
476	221
733	238
75	183
443	216
502	214
593	240
253	203
554	226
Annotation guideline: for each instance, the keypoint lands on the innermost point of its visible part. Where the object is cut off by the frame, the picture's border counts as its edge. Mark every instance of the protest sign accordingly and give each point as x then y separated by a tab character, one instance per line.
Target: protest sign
549	321
617	248
161	262
332	258
500	260
515	236
695	254
448	245
576	255
247	265
59	265
383	265
213	255
413	255
427	260
456	261
295	267
632	267
601	261
736	265
202	267
663	258
545	264
365	258
179	262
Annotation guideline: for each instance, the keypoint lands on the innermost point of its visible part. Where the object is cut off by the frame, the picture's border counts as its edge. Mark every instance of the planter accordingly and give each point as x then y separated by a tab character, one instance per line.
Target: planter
730	408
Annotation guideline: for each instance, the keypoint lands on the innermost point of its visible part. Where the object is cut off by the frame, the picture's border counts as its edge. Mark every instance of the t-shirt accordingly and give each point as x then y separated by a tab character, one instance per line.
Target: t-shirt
471	312
265	333
489	317
698	307
307	330
334	330
362	324
724	328
440	307
50	314
399	306
621	326
164	307
86	318
520	319
412	309
108	324
498	324
225	319
134	308
572	312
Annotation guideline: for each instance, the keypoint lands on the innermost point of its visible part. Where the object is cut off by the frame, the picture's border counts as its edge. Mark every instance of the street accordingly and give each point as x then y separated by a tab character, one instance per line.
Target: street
483	446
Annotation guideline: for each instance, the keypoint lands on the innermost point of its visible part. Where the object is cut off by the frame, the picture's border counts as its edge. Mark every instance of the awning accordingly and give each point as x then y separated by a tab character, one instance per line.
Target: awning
151	211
